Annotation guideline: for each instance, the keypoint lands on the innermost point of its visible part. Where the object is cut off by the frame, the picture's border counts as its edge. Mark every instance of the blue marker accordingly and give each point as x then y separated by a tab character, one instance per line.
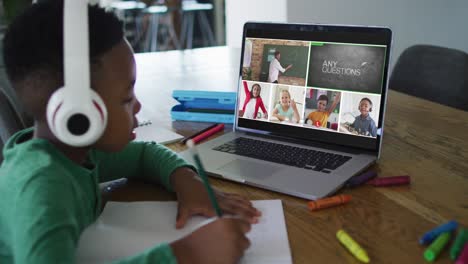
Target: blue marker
431	235
114	185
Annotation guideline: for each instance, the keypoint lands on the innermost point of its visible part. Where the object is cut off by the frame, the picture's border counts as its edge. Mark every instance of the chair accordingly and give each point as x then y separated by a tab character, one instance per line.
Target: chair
10	121
156	13
131	13
12	116
434	73
190	9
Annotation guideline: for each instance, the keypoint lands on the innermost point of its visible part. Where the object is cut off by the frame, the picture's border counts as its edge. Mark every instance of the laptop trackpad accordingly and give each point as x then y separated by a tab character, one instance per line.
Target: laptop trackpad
244	168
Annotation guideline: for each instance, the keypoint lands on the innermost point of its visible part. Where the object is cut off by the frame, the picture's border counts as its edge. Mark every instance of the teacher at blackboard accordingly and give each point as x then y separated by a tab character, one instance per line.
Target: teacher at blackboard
275	68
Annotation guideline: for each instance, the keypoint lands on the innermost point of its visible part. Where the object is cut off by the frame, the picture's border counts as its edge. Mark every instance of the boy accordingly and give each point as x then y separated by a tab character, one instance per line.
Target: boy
50	190
364	124
320	117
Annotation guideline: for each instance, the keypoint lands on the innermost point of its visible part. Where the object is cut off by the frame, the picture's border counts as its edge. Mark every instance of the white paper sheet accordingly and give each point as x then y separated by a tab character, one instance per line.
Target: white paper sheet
152	132
126	229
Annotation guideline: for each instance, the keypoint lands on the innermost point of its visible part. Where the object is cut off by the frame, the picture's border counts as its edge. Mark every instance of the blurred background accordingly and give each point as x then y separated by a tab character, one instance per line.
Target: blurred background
201	23
159	25
155	25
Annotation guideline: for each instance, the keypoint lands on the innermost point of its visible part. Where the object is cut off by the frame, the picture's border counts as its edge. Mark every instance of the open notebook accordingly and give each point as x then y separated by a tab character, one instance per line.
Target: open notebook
126	229
147	131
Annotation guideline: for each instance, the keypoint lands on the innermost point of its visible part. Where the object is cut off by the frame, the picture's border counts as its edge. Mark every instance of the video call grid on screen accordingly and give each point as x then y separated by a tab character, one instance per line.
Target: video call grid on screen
334	86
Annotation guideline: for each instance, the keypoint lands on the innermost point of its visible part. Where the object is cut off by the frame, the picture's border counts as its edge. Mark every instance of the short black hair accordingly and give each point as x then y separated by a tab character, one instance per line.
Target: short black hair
33	45
323	97
34	39
366	99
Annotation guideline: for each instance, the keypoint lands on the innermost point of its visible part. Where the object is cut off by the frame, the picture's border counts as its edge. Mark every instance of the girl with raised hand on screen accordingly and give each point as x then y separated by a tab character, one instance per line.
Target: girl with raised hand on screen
253	101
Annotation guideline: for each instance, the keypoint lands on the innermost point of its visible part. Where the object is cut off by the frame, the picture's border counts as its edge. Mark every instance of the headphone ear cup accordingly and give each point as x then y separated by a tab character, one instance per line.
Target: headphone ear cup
100	107
76	123
370	109
53	106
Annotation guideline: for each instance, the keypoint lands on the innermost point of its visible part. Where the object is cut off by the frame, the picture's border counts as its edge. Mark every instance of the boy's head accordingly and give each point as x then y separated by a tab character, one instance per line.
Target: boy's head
277	55
322	103
33	52
256	90
365	106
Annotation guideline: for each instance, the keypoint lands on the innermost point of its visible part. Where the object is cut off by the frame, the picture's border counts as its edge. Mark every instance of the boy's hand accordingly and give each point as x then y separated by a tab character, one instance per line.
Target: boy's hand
221	241
193	200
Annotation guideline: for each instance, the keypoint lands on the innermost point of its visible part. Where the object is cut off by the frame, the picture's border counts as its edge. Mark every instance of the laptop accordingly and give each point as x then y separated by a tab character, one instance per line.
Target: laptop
310	108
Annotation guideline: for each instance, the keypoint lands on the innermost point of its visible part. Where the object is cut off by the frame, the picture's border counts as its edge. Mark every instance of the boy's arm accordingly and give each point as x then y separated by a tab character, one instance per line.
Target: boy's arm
144	160
48	218
334	104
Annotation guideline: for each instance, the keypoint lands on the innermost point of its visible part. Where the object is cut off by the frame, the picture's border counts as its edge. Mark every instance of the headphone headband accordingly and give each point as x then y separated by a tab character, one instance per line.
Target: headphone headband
76	48
76	114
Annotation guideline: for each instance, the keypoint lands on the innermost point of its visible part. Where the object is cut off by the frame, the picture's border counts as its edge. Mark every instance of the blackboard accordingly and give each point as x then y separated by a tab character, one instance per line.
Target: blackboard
347	67
295	55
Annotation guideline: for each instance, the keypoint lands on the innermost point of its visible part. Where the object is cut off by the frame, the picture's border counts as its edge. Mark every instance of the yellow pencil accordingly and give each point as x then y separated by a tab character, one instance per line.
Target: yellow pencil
352	246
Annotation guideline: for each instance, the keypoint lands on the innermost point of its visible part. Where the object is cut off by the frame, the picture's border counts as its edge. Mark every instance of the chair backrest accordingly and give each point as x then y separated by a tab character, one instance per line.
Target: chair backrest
12	117
434	73
10	121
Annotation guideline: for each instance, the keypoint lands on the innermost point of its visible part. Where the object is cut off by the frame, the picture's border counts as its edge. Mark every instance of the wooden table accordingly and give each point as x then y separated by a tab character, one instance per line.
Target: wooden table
422	139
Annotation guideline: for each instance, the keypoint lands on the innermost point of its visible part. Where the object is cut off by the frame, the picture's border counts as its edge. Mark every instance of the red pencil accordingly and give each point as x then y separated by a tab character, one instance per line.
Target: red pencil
198	133
390	181
208	133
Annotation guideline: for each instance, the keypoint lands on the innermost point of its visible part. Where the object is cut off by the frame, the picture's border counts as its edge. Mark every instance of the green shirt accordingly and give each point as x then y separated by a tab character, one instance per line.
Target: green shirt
46	200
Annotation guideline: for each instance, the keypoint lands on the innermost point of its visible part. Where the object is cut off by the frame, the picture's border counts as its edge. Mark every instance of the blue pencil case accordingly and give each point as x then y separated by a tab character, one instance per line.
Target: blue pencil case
204	106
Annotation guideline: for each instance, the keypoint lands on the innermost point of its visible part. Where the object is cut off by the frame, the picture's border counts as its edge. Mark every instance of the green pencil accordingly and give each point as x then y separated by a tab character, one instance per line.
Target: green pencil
202	174
457	246
436	247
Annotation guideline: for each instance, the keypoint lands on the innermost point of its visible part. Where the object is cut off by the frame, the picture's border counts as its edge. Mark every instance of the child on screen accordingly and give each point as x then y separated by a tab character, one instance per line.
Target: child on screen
286	110
364	124
253	101
320	116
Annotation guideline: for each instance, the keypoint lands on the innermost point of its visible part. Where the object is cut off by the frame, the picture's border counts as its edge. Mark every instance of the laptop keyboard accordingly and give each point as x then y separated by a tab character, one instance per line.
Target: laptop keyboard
284	154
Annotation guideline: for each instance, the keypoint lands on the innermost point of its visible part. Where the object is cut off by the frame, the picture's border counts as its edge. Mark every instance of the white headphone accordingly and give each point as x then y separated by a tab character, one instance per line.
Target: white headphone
76	114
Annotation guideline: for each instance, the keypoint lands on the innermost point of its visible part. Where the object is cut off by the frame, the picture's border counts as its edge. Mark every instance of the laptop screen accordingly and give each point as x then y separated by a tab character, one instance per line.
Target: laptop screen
314	82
